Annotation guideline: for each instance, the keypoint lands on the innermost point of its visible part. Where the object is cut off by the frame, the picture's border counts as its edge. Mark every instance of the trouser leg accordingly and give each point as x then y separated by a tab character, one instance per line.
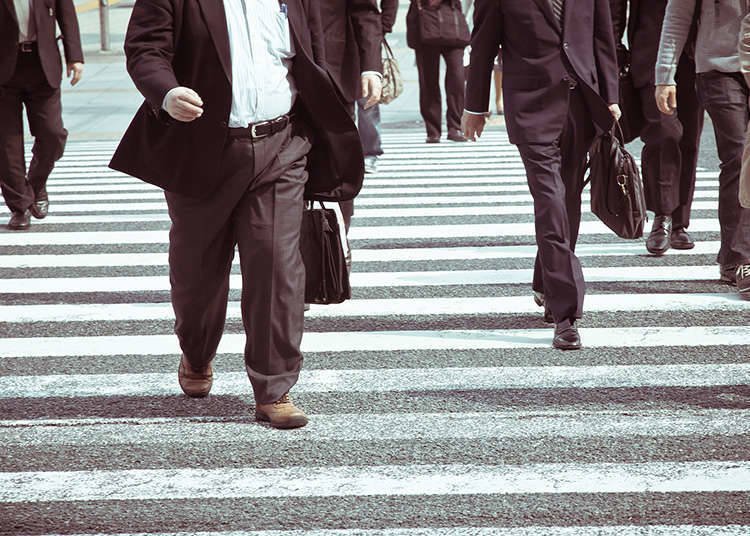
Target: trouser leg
690	113
15	188
428	67
454	86
555	175
724	96
267	223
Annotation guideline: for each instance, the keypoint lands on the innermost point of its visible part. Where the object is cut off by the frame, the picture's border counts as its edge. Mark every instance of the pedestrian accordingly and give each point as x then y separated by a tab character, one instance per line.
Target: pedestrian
745	66
233	99
353	36
428	67
368	119
30	77
723	92
558	90
670	142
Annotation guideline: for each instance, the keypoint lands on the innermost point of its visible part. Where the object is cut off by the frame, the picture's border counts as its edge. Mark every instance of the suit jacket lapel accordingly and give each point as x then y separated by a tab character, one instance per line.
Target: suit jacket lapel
216	20
295	12
12	9
546	8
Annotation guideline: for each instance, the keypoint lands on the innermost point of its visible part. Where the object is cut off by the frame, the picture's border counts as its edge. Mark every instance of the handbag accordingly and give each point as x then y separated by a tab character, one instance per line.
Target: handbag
322	248
617	197
632	120
393	84
443	25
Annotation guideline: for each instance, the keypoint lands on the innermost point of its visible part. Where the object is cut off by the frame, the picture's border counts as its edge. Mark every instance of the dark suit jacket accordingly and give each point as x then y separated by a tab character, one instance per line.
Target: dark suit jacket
353	34
173	43
539	59
388	11
644	23
45	13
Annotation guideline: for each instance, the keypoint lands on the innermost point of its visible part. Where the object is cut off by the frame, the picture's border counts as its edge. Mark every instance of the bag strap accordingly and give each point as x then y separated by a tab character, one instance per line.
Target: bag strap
388	51
616	133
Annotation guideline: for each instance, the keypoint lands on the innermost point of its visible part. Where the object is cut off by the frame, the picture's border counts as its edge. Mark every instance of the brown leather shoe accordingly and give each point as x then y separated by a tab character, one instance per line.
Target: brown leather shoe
281	414
194	383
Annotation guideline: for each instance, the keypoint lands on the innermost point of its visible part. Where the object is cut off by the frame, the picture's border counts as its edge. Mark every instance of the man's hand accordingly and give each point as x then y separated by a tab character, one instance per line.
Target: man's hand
666	99
473	124
76	69
372	87
183	104
615	111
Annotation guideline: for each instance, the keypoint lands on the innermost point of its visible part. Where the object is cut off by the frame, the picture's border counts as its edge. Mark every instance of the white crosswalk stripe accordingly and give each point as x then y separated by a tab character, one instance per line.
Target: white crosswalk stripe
437	405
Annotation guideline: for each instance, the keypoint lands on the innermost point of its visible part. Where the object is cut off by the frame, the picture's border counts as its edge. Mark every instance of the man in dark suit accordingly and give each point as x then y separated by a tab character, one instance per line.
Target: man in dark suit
30	75
670	151
235	99
353	36
559	85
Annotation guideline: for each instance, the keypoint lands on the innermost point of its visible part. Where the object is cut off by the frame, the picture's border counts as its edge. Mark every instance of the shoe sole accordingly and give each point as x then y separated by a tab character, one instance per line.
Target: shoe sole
19	227
682	246
657	252
295	422
567	346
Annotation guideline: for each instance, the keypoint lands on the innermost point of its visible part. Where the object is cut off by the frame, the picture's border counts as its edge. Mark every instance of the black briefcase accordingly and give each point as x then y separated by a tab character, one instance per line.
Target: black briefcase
326	275
617	196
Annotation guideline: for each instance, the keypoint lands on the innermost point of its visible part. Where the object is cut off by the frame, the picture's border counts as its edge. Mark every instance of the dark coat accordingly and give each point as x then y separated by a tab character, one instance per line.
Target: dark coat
644	23
539	60
173	43
388	11
353	34
45	13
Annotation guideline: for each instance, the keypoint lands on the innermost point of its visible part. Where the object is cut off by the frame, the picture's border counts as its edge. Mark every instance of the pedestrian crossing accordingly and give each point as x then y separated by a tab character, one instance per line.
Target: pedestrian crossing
437	405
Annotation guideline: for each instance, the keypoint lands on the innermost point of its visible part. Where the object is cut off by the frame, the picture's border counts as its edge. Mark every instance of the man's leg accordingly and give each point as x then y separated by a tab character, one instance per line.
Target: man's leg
724	96
454	91
15	188
661	166
428	66
691	114
44	111
201	248
267	225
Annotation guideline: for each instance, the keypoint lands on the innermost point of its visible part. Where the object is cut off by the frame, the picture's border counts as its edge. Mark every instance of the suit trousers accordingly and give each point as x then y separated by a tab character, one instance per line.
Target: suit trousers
670	151
28	87
430	104
554	172
258	208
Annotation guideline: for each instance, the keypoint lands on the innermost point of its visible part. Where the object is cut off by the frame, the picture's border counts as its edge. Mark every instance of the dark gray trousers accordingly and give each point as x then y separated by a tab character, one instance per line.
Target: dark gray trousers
258	208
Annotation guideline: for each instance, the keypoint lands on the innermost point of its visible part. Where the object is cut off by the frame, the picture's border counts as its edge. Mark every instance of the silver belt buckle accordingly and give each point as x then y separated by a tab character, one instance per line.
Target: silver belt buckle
27	46
252	130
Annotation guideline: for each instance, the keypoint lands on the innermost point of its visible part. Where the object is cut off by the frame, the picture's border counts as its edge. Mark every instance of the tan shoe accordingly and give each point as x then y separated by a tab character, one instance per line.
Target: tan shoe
281	414
195	383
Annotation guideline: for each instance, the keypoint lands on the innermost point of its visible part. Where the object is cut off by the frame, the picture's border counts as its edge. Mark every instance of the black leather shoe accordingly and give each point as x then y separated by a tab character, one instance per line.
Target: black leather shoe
657	242
40	207
681	239
456	135
432	139
20	221
566	336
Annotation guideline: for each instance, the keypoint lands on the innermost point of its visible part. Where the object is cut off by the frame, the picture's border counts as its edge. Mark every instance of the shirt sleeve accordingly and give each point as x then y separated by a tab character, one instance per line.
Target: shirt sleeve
674	32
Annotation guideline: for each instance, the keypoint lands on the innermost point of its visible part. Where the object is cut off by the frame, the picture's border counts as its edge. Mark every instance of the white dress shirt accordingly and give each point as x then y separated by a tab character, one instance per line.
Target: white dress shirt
262	84
26	28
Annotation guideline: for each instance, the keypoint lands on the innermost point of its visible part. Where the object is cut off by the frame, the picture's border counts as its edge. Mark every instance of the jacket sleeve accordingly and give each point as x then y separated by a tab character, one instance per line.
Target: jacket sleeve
674	32
485	38
368	31
149	50
71	34
388	10
604	50
745	48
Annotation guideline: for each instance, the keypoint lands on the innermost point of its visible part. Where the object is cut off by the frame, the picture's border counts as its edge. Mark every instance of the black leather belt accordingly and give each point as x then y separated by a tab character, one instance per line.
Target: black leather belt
27	46
262	129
